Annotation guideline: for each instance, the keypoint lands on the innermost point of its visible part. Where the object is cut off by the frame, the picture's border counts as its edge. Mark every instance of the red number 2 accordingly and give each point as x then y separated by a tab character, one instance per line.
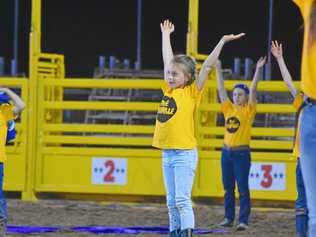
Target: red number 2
267	178
108	177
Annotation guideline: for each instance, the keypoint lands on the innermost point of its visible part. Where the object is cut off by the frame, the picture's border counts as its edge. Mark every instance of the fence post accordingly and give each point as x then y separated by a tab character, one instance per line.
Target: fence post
35	50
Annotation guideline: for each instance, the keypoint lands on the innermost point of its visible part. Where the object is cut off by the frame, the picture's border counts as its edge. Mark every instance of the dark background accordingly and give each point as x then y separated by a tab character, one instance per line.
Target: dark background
84	29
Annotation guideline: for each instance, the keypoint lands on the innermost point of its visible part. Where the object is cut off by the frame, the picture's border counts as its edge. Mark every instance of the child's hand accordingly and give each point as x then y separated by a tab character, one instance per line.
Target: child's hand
3	89
167	27
261	62
276	49
227	38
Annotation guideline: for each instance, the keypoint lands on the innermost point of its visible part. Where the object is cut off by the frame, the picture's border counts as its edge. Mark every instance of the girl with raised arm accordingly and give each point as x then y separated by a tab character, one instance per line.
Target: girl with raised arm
235	161
174	132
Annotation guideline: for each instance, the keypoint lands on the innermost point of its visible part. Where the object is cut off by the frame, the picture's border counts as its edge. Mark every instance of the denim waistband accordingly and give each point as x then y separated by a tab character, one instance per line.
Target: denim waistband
310	101
236	148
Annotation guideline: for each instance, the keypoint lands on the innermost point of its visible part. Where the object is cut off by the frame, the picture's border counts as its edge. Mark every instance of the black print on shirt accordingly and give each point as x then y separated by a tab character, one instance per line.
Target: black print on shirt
232	124
167	109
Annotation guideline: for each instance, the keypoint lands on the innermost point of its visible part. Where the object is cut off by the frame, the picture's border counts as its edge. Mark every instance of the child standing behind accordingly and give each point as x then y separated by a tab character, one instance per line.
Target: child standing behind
174	132
7	112
235	160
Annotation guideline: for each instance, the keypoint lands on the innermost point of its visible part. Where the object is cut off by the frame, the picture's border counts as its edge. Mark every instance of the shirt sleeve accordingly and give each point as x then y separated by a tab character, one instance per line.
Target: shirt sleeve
298	101
196	93
252	108
226	106
304	6
299	3
7	111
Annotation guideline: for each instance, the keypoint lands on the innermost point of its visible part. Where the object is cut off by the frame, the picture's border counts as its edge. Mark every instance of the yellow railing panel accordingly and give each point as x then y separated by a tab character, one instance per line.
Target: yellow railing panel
271	132
96	105
254	144
123	141
100	128
113	83
130	147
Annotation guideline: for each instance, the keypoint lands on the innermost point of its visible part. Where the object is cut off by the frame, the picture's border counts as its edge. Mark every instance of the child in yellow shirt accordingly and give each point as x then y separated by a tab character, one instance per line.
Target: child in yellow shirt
235	160
7	112
174	132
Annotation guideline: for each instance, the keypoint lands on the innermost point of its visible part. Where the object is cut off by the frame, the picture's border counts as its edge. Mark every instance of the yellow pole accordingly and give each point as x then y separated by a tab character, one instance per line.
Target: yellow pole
35	50
35	35
193	28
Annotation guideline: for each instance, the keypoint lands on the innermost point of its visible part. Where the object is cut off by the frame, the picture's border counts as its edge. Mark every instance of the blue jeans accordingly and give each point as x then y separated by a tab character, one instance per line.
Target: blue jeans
301	217
308	161
236	167
179	171
3	204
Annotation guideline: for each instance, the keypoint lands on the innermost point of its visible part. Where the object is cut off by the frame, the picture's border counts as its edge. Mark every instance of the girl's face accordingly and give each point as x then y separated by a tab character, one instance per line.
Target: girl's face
176	77
239	97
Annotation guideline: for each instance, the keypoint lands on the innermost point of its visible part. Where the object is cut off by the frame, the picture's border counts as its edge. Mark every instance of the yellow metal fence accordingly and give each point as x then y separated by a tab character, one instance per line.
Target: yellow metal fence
66	153
52	155
64	161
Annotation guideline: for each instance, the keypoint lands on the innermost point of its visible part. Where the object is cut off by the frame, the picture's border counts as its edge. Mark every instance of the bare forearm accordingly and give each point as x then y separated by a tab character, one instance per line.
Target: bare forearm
209	63
253	86
167	53
286	76
213	56
220	86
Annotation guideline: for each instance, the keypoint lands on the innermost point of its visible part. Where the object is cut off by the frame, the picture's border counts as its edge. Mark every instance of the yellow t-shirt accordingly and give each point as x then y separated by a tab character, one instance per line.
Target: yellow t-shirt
6	114
175	118
238	123
298	101
308	70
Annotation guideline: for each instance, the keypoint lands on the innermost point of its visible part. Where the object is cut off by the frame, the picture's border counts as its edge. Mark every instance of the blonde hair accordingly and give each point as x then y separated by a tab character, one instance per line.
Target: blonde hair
187	64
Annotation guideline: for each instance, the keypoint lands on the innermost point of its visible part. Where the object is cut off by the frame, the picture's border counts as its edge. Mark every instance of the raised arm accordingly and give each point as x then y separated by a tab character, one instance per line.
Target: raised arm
212	58
220	82
255	80
277	51
167	54
19	105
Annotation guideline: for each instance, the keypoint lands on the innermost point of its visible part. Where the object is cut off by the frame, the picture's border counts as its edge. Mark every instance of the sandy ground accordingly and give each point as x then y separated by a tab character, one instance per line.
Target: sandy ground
67	214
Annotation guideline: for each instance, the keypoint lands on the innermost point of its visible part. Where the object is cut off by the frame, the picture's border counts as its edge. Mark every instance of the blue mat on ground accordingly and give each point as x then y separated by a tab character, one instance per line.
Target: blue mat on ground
32	229
102	230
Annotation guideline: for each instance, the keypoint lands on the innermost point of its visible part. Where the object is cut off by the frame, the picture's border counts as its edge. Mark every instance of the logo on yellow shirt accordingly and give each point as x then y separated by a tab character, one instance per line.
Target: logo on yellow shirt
167	109
232	124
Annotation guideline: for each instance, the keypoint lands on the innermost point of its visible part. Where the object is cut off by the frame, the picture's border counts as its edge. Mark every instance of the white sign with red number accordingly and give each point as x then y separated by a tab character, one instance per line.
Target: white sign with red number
267	176
112	171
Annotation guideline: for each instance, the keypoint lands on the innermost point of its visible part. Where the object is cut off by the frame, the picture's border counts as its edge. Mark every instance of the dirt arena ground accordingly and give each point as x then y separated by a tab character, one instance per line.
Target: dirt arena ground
264	221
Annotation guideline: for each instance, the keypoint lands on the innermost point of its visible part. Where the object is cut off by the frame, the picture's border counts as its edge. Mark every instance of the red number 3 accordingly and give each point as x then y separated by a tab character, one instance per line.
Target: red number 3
108	177
267	178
